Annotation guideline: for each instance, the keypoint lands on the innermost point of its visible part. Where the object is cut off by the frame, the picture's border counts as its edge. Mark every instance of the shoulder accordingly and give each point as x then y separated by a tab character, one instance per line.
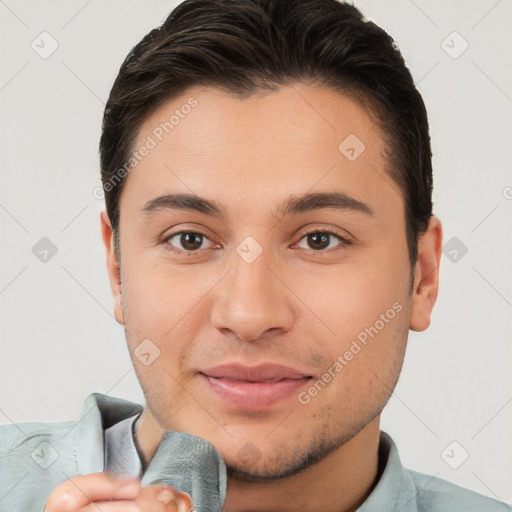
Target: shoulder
436	494
410	491
14	437
98	411
37	457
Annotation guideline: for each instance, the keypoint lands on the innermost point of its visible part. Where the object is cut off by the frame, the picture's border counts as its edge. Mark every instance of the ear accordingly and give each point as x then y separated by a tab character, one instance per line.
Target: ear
426	275
113	266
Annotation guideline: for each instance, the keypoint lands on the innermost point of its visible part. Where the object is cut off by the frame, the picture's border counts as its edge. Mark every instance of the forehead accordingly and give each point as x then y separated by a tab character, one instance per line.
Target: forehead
209	142
297	114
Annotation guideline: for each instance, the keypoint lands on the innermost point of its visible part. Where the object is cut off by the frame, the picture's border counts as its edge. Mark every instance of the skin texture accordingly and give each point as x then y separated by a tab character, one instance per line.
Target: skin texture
299	303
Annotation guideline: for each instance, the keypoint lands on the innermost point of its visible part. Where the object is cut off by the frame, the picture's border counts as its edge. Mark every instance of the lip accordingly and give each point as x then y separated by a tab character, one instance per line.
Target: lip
262	372
253	387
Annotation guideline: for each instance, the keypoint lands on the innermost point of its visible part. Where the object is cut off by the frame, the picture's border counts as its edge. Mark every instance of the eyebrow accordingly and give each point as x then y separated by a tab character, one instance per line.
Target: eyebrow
295	205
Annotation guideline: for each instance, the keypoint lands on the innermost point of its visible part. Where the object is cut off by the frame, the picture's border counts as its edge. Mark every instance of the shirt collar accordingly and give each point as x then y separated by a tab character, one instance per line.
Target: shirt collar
390	487
99	412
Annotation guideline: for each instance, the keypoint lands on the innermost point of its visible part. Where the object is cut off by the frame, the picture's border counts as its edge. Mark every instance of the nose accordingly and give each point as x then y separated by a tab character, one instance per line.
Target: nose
252	300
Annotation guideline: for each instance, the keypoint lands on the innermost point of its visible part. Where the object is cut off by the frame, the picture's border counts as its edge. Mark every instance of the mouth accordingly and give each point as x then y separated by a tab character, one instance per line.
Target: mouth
253	388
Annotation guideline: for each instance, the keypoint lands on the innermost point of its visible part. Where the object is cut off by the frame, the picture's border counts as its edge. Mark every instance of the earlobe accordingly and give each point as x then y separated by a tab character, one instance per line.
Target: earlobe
426	275
113	267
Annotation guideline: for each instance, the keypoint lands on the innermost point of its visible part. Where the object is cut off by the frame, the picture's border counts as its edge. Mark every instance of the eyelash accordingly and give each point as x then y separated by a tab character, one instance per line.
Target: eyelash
344	241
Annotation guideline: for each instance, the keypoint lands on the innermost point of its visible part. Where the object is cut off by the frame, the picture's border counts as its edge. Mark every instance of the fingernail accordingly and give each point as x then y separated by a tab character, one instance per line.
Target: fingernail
183	507
185	503
165	497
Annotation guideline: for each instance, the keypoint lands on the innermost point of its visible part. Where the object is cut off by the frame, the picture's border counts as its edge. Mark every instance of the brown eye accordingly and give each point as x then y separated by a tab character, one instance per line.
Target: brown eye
320	241
187	241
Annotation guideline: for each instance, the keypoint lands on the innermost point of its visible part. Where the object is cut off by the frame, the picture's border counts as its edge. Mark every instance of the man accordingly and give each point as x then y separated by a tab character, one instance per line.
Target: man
270	242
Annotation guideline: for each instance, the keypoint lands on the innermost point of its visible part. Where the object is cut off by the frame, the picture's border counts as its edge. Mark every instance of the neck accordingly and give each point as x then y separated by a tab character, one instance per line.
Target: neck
340	482
148	434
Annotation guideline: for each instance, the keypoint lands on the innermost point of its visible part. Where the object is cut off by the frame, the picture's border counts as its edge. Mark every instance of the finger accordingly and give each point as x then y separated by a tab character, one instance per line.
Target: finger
175	501
114	506
81	490
185	503
161	497
169	499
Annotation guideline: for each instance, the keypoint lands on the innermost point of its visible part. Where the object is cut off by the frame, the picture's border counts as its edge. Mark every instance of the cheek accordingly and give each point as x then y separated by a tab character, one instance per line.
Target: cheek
345	302
159	319
152	299
361	333
362	371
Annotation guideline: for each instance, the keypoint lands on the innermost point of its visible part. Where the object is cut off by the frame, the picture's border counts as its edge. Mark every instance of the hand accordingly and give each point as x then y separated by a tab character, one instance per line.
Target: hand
109	493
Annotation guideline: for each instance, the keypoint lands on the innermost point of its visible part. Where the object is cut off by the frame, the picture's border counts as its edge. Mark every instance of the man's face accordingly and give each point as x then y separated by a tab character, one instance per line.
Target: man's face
258	286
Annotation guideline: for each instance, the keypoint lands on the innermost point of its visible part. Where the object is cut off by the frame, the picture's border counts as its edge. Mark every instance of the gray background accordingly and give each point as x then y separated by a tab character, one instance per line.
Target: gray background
59	341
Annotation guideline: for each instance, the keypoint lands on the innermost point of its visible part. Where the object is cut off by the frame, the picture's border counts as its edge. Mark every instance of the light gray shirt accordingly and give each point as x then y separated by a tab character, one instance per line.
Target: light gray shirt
37	457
